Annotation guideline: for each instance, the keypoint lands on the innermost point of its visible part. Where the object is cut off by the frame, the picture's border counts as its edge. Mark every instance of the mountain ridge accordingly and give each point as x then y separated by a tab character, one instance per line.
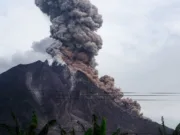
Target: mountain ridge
45	89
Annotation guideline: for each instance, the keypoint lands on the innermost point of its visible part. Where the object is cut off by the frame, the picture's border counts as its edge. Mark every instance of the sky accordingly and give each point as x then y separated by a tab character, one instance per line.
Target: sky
140	46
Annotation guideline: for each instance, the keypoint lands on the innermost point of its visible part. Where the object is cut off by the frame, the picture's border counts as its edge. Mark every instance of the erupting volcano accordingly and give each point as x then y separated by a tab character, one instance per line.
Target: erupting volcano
69	89
74	38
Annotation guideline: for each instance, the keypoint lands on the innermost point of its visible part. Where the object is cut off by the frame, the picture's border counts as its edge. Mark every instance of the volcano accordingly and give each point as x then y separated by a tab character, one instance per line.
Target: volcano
54	92
69	89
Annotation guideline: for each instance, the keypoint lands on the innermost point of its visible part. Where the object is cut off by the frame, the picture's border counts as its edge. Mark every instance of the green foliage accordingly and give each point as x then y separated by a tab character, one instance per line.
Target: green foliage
117	132
33	125
8	128
163	129
72	132
17	130
177	130
97	129
63	132
17	127
13	130
45	129
89	132
103	127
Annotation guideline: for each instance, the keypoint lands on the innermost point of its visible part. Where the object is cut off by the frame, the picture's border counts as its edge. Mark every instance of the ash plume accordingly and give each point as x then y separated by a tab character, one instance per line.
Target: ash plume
75	43
74	25
74	40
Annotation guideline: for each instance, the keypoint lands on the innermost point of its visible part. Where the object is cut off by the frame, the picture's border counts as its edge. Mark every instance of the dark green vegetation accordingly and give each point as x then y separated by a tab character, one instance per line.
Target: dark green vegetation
31	130
96	129
163	131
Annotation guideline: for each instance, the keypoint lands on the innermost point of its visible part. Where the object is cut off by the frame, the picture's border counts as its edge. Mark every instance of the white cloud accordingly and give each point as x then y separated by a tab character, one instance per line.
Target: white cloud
141	50
141	44
21	57
21	23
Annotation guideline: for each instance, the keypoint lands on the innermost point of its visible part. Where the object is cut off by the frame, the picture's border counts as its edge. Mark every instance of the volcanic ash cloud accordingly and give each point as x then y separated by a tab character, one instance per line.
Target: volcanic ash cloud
74	39
74	25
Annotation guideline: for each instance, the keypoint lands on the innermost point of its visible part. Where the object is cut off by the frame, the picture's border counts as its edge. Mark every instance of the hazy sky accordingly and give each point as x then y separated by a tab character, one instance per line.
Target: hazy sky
141	45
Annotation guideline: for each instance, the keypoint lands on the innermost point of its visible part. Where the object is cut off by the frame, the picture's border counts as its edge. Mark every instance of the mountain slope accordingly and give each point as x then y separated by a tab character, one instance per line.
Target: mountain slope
55	92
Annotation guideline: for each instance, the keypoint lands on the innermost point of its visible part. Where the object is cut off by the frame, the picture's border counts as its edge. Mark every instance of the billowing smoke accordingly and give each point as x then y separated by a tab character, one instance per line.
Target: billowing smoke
42	45
74	24
74	39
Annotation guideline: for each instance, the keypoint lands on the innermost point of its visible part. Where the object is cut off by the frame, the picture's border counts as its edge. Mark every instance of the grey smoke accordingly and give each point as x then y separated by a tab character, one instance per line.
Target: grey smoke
42	45
74	24
38	51
47	44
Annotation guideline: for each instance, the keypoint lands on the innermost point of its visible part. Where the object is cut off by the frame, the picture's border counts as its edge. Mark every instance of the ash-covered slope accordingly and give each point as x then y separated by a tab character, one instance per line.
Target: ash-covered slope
55	92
